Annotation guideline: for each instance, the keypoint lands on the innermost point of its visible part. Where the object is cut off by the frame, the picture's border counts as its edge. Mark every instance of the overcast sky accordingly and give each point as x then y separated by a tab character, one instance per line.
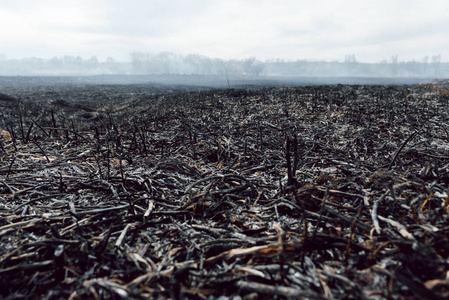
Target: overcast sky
373	30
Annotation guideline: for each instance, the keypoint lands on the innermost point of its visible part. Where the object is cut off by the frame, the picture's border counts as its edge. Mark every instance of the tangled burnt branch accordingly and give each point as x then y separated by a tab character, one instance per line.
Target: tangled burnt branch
312	192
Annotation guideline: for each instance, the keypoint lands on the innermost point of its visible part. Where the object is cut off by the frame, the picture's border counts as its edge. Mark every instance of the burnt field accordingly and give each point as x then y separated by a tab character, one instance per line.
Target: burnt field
143	192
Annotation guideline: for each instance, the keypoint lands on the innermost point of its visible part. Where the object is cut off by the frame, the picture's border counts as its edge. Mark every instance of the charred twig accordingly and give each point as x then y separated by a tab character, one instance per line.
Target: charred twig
303	212
400	148
102	210
374	215
36	199
36	266
323	203
59	263
40	127
119	241
43	152
11	189
348	220
351	233
10	166
72	131
401	228
282	255
283	291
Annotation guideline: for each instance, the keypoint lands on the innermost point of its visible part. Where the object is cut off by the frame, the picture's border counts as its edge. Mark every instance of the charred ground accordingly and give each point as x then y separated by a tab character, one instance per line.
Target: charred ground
336	191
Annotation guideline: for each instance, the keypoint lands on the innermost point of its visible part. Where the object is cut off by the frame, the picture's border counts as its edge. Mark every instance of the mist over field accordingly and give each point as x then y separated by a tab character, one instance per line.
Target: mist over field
167	63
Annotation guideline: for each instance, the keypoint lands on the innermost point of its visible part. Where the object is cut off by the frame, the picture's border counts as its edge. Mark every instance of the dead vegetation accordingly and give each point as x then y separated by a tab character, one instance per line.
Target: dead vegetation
317	192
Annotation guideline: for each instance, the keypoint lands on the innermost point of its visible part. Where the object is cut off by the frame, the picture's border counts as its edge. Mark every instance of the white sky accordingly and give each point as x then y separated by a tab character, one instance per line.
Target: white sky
373	30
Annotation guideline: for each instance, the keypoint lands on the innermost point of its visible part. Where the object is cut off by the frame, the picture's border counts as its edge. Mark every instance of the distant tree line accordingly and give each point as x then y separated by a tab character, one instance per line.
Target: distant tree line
65	65
170	63
351	67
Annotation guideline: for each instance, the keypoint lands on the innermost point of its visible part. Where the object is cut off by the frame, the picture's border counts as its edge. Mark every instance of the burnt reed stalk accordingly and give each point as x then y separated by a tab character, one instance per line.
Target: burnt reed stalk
98	164
108	163
21	126
97	158
54	121
291	167
142	138
288	159
13	138
74	132
66	132
10	166
97	136
28	133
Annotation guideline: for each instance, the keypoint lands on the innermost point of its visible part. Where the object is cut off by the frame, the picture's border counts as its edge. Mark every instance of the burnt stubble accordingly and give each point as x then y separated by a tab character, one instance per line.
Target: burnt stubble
144	191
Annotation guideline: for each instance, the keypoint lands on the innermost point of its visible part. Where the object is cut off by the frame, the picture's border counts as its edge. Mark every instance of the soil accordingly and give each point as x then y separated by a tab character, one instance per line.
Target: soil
144	191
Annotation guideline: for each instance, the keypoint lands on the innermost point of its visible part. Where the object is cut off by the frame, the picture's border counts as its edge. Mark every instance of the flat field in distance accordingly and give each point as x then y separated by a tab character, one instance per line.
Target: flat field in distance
154	190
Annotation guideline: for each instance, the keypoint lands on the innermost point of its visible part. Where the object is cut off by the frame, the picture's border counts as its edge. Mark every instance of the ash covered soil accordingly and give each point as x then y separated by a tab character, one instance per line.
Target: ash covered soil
144	192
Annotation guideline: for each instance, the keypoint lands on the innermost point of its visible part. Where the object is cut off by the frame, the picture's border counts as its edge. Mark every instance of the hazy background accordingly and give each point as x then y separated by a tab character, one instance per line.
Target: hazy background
110	32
